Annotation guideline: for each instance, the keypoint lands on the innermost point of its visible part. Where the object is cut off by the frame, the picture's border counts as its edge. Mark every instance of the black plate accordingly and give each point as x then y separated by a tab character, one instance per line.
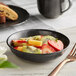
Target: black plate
37	57
22	13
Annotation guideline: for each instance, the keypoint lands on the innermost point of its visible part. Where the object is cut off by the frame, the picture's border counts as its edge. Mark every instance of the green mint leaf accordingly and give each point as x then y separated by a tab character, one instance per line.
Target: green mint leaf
7	64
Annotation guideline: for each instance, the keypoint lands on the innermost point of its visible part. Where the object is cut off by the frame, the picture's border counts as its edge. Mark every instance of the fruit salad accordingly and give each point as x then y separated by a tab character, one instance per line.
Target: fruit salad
38	44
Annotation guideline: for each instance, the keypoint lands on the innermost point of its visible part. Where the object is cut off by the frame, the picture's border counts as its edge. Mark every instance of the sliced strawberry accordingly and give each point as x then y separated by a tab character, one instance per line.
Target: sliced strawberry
58	45
47	49
41	36
18	48
38	46
21	41
15	48
18	42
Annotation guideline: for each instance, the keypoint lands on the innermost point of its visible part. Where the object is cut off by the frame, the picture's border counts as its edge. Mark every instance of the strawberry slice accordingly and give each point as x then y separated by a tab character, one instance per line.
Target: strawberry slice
15	48
18	48
18	42
58	45
38	46
41	36
21	41
47	49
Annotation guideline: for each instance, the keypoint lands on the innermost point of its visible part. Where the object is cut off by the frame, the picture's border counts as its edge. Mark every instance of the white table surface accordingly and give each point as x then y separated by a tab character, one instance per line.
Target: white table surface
42	69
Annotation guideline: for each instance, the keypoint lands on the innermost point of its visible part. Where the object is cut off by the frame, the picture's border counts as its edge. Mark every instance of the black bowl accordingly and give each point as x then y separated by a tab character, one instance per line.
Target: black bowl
37	57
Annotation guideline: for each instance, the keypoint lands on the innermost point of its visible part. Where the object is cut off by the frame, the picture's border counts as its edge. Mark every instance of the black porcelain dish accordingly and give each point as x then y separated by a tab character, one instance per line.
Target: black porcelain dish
23	16
37	57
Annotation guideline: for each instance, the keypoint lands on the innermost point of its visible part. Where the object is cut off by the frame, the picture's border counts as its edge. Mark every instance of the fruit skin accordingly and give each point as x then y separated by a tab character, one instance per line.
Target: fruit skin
58	45
47	49
18	42
35	43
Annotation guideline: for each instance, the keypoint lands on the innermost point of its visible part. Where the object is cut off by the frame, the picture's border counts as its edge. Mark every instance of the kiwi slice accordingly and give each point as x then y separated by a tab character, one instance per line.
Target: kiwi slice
37	37
25	49
37	51
46	38
31	49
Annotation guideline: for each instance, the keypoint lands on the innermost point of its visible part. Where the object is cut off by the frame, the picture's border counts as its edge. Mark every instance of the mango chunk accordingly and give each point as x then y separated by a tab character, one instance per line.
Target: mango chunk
19	48
35	42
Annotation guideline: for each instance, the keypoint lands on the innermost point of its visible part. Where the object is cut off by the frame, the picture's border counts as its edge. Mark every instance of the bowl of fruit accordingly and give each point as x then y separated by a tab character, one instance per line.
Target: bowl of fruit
38	45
